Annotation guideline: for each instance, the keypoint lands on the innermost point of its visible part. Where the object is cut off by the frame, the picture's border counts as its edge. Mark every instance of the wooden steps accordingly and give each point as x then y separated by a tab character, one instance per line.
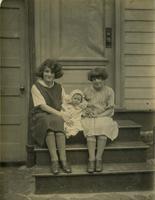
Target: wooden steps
124	163
108	168
114	177
114	152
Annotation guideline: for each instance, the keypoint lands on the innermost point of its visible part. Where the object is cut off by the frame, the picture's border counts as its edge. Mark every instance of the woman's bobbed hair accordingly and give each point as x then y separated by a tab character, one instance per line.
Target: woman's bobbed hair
97	73
55	67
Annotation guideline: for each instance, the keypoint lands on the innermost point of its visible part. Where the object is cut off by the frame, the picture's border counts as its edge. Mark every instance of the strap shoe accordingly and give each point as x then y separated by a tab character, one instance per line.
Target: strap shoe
55	167
99	166
91	166
66	167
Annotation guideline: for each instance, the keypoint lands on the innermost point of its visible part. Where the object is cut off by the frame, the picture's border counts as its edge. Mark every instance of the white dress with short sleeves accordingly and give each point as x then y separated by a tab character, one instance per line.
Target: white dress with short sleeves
99	102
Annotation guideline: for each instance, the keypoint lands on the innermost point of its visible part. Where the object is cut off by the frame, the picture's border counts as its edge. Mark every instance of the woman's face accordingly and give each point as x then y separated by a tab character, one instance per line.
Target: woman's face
48	76
98	83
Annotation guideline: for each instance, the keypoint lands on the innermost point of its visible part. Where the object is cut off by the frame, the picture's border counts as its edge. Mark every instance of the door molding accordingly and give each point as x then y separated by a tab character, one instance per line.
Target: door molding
118	81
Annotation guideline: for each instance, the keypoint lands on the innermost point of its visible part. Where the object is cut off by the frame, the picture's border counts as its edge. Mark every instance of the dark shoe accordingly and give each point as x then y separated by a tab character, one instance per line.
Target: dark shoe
66	167
99	166
91	166
55	167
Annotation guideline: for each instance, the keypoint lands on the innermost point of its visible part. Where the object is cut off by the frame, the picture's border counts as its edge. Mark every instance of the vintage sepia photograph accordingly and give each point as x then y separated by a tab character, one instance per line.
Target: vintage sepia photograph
77	99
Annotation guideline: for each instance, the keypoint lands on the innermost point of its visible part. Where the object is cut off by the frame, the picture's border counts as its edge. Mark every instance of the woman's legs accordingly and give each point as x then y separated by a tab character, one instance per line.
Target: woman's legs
61	145
53	140
91	144
101	143
51	144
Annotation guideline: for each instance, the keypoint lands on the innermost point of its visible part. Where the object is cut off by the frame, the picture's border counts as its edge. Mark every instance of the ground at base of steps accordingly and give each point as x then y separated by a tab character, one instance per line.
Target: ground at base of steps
98	196
17	183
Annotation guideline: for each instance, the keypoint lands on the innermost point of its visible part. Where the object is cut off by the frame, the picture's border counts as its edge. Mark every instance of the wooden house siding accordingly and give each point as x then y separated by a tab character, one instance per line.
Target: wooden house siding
138	54
13	68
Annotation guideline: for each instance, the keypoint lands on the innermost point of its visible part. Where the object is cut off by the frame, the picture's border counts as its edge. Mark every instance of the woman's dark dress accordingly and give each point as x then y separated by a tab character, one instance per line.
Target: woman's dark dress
42	121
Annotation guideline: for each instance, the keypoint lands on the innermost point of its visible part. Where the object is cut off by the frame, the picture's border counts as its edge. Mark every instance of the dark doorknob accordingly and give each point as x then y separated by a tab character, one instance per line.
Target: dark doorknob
22	88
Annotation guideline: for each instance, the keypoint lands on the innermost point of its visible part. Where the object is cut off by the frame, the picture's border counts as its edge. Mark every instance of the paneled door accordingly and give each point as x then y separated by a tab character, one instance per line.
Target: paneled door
79	33
13	113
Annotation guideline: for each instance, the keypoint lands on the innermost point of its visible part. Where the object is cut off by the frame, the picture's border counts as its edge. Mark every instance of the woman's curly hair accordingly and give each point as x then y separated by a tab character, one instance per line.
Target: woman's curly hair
97	73
55	67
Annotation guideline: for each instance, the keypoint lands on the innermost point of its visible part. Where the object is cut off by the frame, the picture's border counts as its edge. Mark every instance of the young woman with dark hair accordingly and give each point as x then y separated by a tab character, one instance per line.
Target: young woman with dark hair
47	120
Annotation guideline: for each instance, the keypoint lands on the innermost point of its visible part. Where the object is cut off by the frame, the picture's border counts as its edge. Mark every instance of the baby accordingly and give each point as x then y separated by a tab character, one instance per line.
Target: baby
73	106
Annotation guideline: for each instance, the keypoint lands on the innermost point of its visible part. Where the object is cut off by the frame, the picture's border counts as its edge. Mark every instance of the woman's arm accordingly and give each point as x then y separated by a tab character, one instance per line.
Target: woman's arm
66	117
38	100
100	113
49	109
109	111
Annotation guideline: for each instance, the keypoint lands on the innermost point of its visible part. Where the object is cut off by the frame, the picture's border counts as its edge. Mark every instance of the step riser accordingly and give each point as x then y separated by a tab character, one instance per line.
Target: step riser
110	156
129	134
89	184
125	134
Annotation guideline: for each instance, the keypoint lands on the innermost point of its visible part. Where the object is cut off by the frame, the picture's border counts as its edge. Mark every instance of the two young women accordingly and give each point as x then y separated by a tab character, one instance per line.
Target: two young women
48	121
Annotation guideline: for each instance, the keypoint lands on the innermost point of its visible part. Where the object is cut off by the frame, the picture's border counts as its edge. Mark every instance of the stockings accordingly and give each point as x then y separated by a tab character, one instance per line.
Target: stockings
101	143
94	142
51	144
91	144
61	145
54	142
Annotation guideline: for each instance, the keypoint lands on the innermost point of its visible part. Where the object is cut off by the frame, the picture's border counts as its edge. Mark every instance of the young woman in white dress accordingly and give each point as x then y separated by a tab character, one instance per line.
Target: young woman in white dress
97	120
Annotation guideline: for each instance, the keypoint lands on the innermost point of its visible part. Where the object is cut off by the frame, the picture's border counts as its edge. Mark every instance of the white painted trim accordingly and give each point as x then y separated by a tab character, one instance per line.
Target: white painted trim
118	52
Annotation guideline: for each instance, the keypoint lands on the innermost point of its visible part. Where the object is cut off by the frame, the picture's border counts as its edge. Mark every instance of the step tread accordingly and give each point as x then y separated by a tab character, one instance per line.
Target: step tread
114	145
112	168
128	124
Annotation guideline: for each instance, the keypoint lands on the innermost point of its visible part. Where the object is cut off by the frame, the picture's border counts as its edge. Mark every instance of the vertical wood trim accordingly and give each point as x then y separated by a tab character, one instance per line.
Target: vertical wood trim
109	52
122	64
32	62
26	71
55	21
31	48
37	11
31	40
45	29
118	52
0	91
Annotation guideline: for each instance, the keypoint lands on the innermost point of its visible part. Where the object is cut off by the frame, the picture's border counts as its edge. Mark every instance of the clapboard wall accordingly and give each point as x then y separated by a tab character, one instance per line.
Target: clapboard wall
138	54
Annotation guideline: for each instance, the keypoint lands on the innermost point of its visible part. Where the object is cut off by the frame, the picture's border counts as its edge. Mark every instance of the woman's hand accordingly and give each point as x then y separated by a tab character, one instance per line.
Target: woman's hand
88	112
108	112
67	118
92	115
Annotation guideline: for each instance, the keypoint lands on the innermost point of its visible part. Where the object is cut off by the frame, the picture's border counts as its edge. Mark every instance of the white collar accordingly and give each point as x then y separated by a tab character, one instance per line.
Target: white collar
44	84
